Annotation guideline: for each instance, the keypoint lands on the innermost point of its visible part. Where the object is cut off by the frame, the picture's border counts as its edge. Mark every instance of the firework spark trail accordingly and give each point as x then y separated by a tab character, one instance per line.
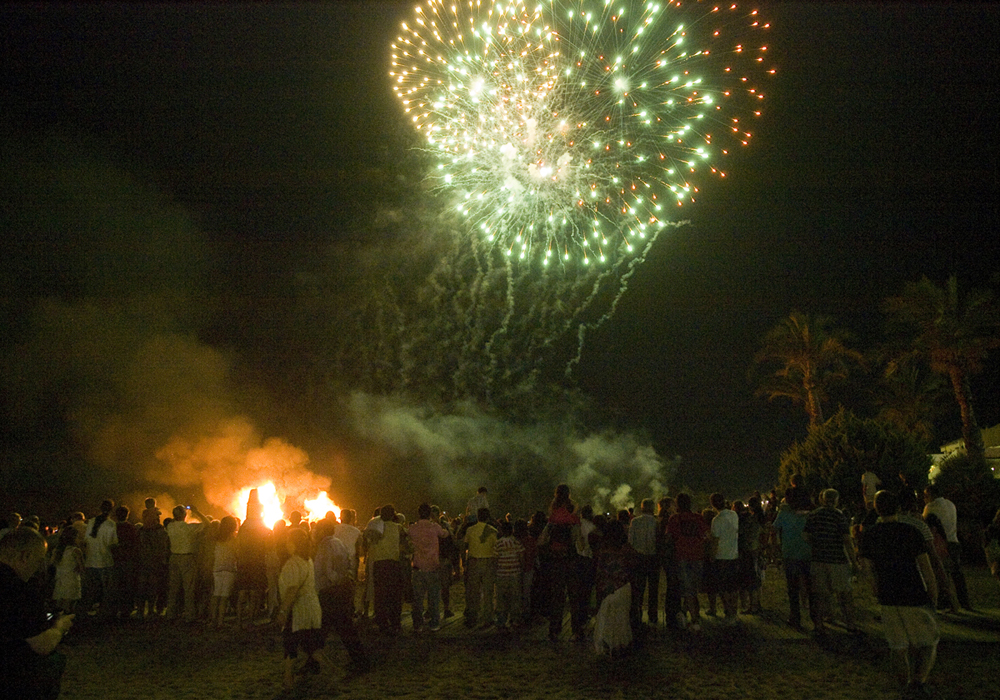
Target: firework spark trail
503	327
584	327
563	135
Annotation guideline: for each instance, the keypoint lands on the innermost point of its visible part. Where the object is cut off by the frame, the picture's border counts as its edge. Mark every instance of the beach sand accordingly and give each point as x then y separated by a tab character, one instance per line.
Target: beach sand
762	658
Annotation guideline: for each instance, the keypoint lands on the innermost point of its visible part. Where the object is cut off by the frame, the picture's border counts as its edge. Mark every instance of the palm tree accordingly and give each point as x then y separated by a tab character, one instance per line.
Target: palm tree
801	358
953	334
911	397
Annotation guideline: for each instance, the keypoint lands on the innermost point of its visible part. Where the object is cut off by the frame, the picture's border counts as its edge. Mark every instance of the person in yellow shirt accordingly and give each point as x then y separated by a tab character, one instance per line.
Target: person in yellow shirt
383	551
480	565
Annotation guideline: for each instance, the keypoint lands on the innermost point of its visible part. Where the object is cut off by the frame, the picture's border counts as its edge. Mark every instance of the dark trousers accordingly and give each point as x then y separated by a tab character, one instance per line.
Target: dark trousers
564	581
647	575
97	588
444	572
388	594
799	582
124	578
672	599
955	555
587	573
337	603
151	585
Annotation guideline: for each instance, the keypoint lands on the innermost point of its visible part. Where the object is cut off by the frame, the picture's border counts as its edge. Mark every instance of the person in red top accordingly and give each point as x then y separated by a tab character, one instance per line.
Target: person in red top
560	536
688	530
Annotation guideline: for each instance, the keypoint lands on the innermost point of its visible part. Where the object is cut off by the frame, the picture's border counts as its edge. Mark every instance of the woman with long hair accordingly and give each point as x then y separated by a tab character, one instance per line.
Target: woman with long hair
68	561
946	585
102	536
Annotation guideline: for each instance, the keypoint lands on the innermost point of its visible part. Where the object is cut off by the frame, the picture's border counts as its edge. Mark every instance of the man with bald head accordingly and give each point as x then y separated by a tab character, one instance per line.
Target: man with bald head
29	664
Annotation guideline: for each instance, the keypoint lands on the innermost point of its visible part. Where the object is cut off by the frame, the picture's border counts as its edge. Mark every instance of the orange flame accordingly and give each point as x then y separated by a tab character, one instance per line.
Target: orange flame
318	507
315	508
268	496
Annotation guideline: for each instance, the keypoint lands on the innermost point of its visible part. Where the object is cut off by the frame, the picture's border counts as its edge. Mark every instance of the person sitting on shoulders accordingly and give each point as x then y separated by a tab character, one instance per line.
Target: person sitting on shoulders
480	500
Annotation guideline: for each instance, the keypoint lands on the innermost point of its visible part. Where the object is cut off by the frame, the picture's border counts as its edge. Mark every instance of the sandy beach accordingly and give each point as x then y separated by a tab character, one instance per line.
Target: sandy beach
761	658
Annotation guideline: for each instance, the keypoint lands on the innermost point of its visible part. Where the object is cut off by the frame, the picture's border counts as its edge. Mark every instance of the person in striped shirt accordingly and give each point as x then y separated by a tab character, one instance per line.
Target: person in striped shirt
509	552
828	532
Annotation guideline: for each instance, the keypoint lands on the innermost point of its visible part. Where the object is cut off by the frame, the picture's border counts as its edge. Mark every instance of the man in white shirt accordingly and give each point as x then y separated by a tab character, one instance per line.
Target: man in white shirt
185	538
348	533
725	531
101	536
946	512
870	483
642	537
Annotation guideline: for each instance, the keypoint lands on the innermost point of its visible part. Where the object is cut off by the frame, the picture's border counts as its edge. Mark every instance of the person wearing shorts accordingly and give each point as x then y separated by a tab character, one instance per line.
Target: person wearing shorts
906	589
223	570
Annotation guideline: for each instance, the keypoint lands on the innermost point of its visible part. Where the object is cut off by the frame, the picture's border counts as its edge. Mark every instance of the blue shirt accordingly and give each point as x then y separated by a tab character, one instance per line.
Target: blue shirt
788	525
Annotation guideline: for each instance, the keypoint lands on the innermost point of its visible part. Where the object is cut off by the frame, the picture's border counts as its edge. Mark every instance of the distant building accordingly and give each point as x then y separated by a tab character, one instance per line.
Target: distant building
991	439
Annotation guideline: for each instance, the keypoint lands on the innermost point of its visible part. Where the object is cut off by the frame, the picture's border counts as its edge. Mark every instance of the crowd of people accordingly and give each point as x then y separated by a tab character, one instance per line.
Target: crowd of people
608	568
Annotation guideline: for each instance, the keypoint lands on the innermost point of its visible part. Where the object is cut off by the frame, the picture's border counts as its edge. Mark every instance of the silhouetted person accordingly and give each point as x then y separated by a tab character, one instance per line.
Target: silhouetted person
30	667
907	591
948	515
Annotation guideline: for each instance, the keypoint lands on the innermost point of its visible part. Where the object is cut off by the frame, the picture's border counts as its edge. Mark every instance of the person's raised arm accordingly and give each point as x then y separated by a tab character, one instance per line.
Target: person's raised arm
201	516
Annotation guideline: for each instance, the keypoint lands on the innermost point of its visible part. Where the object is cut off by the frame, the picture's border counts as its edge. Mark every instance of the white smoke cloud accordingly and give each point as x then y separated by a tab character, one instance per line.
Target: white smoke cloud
447	455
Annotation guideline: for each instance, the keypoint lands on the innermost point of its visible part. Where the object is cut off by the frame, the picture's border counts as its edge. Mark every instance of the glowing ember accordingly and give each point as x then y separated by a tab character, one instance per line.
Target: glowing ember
318	507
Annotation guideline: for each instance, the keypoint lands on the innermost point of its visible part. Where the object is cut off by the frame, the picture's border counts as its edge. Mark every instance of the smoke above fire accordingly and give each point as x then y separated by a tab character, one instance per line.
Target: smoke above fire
151	408
233	459
115	383
108	389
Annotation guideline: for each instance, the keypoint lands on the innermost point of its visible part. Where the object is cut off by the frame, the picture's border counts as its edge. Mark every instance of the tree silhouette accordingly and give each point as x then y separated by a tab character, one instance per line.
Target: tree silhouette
800	359
953	334
836	453
911	397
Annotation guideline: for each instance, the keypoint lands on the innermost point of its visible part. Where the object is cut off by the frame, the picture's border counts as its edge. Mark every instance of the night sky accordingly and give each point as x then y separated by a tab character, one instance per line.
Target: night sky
191	207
